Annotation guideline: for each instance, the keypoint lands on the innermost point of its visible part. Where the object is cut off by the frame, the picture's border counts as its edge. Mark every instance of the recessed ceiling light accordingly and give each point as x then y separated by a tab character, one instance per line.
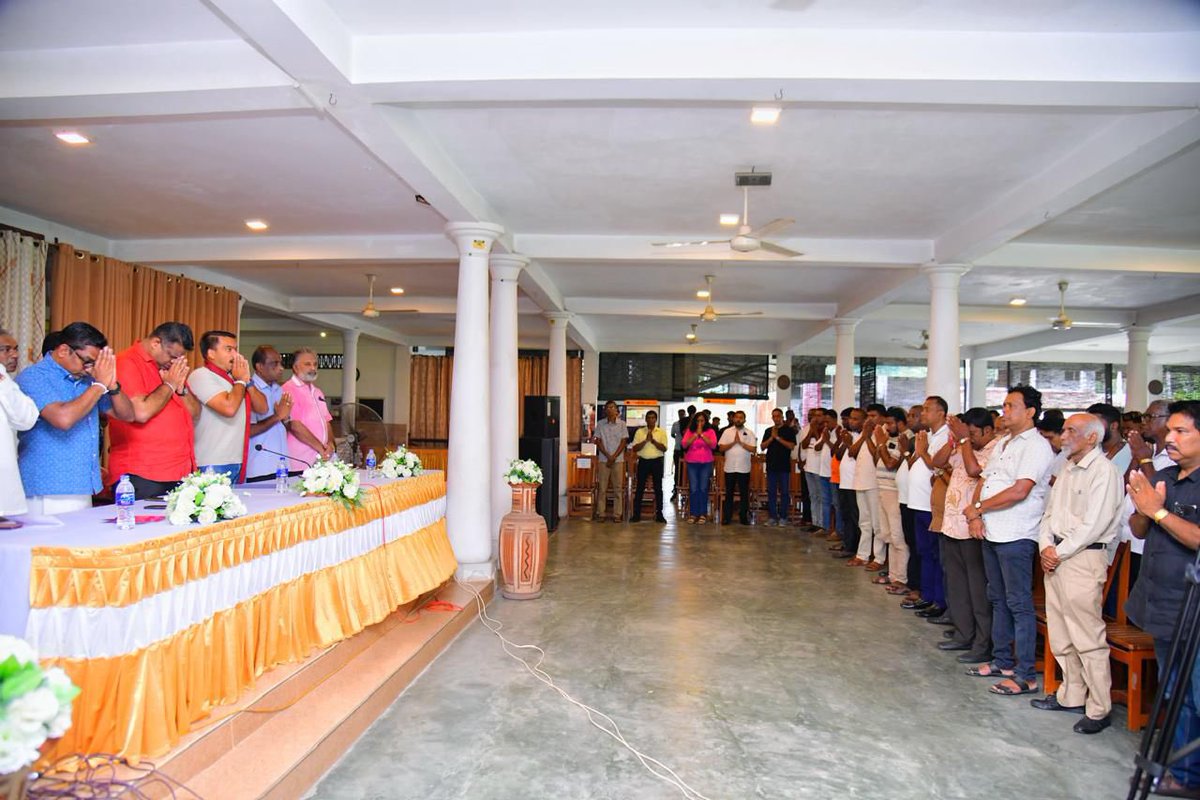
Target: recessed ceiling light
323	334
765	115
72	137
1017	301
690	337
397	290
731	219
256	225
702	293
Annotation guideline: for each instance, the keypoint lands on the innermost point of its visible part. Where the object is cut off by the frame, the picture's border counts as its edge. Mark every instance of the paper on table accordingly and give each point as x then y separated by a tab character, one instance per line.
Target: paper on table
39	519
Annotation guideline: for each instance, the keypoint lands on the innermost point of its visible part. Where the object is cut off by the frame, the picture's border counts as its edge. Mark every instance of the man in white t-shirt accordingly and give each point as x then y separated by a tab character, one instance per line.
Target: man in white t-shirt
810	434
872	545
222	386
738	444
929	443
1006	513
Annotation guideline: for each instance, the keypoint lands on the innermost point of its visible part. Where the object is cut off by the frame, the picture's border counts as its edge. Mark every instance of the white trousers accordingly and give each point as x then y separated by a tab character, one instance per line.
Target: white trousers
51	505
870	546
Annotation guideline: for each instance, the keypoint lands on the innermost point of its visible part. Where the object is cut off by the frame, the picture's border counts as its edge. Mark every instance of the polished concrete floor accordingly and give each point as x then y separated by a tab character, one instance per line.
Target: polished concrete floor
743	658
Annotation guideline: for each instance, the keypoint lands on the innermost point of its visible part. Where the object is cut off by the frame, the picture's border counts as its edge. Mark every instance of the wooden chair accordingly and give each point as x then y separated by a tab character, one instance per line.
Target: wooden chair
795	513
1133	649
581	485
758	486
1051	677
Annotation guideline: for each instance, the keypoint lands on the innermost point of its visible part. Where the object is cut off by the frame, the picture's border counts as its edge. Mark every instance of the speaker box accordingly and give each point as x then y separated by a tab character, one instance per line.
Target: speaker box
541	416
545	453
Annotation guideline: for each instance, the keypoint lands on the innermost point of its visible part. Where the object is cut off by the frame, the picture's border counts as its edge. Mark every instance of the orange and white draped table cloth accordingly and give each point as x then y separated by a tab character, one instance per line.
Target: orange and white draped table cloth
161	624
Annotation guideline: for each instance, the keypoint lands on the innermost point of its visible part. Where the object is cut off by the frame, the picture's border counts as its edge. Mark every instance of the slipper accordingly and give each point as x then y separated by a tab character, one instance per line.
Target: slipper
896	589
988	671
882	580
1022	688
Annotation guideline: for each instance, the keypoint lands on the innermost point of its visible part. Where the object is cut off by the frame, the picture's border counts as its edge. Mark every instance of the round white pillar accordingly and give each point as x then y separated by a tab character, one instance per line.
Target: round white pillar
557	385
783	366
350	369
505	391
943	376
469	479
1137	368
977	383
843	369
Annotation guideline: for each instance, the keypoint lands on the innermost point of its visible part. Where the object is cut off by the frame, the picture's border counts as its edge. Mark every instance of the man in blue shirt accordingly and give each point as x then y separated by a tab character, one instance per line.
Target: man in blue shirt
59	457
268	428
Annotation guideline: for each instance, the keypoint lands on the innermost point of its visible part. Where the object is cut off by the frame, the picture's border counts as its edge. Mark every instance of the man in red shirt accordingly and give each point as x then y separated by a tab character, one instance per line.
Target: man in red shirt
156	449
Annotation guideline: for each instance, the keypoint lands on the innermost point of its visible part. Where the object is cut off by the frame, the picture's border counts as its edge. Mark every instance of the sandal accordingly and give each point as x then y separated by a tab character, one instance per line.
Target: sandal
701	520
1004	687
896	588
989	671
882	580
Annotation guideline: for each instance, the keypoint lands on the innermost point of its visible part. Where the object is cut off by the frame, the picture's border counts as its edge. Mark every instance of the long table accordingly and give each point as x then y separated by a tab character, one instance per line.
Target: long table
161	624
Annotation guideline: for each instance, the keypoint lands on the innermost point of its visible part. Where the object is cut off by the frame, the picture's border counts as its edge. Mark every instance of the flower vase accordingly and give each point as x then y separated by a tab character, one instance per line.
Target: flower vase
14	784
523	543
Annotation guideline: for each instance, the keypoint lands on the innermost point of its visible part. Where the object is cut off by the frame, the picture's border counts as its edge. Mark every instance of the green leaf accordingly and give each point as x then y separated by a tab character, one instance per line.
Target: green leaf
22	682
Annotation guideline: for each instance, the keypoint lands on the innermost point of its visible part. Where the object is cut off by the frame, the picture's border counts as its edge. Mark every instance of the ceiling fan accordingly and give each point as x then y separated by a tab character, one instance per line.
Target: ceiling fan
693	337
371	312
1064	323
748	239
710	314
924	345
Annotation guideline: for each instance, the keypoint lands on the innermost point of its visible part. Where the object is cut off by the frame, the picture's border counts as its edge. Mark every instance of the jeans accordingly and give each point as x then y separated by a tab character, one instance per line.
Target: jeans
777	486
1009	567
699	476
1186	771
908	524
848	519
828	492
816	499
652	469
933	587
231	470
737	482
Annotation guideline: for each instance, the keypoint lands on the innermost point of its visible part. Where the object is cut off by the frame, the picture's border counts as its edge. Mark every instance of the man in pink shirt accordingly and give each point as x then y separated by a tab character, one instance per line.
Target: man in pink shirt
310	430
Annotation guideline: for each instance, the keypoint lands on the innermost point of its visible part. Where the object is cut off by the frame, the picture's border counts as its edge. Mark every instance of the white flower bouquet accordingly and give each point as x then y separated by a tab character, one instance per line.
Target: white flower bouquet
523	472
332	478
401	463
35	704
203	497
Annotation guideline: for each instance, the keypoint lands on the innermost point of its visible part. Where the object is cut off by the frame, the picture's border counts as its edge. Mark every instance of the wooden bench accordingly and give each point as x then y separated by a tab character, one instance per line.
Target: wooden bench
1051	677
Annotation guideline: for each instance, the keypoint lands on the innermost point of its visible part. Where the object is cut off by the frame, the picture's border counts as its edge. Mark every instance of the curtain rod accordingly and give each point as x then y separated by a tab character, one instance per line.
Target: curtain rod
39	237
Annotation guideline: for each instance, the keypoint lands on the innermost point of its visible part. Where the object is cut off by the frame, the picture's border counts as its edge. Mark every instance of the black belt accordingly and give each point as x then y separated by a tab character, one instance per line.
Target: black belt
1096	546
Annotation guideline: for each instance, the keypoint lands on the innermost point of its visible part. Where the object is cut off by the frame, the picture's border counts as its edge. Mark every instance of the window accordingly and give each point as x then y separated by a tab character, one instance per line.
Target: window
1069	387
1181	382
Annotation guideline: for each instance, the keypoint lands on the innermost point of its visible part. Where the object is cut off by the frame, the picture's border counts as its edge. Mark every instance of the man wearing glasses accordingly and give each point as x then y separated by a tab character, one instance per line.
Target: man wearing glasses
17	413
268	428
59	457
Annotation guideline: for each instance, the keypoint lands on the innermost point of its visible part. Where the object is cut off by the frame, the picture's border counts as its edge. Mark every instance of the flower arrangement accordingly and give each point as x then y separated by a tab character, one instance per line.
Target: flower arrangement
401	463
523	472
203	497
35	704
332	478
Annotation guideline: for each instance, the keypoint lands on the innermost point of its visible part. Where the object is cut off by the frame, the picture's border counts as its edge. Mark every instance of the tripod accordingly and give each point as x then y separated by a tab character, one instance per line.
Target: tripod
1154	755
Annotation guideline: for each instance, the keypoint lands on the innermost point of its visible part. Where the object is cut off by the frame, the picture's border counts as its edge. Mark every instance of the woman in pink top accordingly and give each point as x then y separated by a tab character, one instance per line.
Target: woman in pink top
699	442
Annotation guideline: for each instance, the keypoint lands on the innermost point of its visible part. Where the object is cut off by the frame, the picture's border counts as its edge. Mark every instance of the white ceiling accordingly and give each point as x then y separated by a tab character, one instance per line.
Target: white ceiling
1038	140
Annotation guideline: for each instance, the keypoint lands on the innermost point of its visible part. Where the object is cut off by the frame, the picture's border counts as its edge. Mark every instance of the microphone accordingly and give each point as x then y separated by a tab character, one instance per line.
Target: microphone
259	447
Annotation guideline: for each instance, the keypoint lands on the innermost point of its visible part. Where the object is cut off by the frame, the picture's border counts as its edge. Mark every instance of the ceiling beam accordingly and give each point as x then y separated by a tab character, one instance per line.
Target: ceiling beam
1093	258
1003	315
1034	341
416	247
1184	308
639	307
582	334
1133	143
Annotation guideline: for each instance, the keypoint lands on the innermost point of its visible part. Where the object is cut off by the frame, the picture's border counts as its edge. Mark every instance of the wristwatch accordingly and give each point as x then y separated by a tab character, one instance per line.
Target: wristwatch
1160	515
115	390
978	506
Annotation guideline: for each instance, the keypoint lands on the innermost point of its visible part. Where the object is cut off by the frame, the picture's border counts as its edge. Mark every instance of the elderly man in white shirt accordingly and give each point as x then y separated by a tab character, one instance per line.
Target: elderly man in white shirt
1082	516
1006	514
17	413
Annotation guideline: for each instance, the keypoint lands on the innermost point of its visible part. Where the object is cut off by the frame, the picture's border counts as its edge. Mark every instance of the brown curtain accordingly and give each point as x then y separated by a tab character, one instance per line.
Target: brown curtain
429	399
533	378
572	414
126	301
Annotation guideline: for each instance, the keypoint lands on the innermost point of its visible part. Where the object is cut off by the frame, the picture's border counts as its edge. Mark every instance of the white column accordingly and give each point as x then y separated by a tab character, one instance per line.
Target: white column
843	370
469	478
977	383
1137	368
350	368
943	377
783	366
557	385
505	418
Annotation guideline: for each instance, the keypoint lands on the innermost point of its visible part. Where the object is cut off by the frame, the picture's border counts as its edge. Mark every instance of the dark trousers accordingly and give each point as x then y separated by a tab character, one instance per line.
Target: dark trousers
144	488
806	516
677	460
651	468
966	592
739	481
1186	771
848	519
933	588
1009	568
909	524
777	487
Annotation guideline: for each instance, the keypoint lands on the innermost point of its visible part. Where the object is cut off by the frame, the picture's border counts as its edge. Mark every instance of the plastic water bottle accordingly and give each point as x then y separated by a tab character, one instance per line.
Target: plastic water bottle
125	499
281	476
371	462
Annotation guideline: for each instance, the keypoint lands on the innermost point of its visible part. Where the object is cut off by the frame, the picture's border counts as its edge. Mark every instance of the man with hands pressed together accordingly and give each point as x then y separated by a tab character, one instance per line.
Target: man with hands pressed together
610	437
778	441
269	427
1168	518
738	445
310	427
650	447
222	387
1006	513
156	449
1083	514
17	413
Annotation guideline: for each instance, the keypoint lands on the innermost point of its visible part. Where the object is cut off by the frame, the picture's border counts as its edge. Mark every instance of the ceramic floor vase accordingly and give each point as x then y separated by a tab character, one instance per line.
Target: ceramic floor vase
523	543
